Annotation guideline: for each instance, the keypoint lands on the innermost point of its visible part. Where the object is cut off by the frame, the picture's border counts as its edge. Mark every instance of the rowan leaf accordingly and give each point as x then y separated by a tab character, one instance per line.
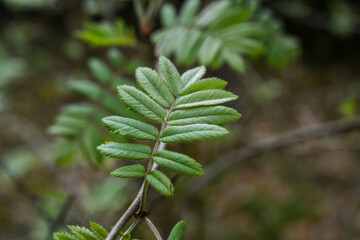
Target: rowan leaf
100	70
132	171
64	236
178	231
82	233
141	103
192	133
204	84
179	163
192	75
152	83
205	97
160	182
125	150
218	115
171	75
99	230
131	128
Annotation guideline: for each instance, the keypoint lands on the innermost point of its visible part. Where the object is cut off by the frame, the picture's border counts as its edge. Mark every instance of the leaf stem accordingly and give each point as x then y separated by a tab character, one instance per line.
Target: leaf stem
153	228
151	160
137	206
132	226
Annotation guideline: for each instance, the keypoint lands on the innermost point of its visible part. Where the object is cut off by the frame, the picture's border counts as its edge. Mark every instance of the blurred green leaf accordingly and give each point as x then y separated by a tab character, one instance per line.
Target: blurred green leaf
108	34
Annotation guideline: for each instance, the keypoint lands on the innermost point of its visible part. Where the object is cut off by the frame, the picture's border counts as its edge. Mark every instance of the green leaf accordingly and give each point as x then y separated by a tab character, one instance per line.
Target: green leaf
179	163
192	75
152	83
204	84
82	233
141	103
160	182
98	230
178	231
86	88
100	70
209	49
218	115
188	10
168	15
64	236
116	57
212	12
192	133
234	60
125	150
205	97
171	75
107	34
132	171
90	140
131	128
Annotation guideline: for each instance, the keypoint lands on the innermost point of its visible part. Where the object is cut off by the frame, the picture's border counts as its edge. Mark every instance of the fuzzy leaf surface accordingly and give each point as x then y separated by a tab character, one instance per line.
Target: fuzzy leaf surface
152	83
82	233
99	230
192	75
141	103
160	182
179	163
125	150
192	133
131	128
178	231
204	84
205	97
171	75
218	115
132	171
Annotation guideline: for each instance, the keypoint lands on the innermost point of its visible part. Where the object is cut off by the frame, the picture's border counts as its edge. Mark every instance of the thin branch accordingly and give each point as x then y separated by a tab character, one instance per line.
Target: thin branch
132	208
237	156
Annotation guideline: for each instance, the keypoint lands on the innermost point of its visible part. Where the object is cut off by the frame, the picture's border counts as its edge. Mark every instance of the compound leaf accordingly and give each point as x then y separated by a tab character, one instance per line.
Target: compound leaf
160	182
178	231
131	128
218	115
171	75
152	83
179	163
192	133
205	97
141	103
125	150
132	171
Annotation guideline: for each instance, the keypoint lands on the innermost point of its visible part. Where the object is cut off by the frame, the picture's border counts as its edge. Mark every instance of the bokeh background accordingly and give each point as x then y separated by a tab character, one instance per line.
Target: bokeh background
60	61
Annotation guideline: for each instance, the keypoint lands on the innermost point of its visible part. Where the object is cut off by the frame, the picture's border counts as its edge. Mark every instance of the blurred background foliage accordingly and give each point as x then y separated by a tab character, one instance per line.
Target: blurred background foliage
293	64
